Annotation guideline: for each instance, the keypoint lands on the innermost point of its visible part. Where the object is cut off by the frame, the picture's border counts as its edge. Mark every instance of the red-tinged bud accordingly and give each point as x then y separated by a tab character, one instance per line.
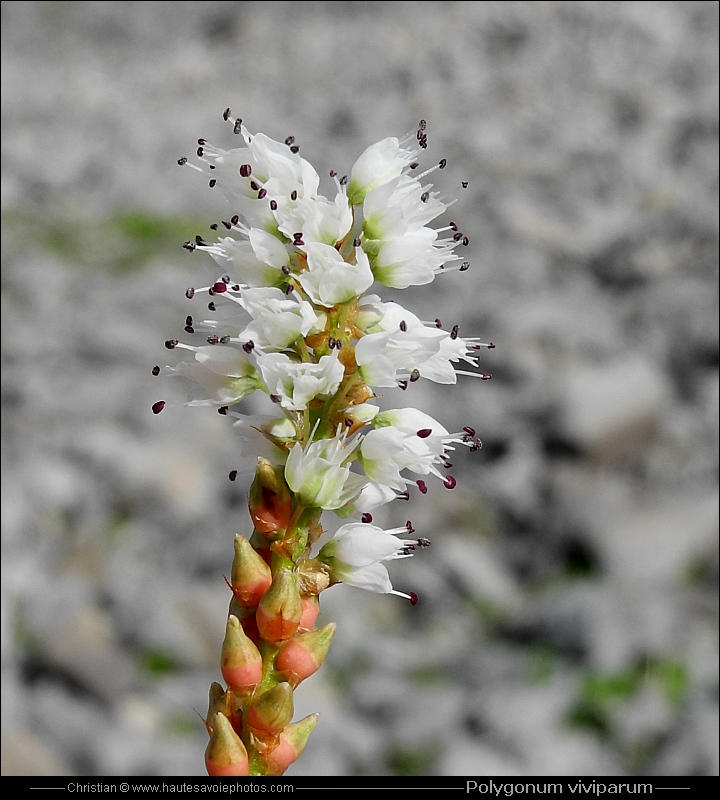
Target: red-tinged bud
302	656
291	743
225	754
247	619
217	703
241	662
270	500
310	610
272	710
280	611
224	703
250	576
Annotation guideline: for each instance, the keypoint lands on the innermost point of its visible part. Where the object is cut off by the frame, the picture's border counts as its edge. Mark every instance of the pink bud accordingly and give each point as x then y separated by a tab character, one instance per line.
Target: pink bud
241	662
225	754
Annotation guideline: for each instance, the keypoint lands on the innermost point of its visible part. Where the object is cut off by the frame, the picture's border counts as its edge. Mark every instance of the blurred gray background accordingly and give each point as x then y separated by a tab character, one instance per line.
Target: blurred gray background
568	615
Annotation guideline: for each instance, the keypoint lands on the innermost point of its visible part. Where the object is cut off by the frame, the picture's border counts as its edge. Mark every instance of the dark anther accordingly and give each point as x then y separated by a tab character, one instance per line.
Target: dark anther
223	411
424	433
213	339
233	474
214	226
403	325
333	174
475	446
273	205
414	165
438	324
171	344
293	194
403	385
403	495
414	599
188	320
465	241
262	193
285	270
238	125
224	339
212	183
189	246
158	407
344	180
453	226
338	345
199	240
201	141
235	287
156	371
294	149
254	186
226	114
226	224
415	375
422	486
490	346
422	542
235	219
190	293
199	152
409	527
449	482
422	124
249	346
219	287
356	241
465	266
457	237
331	342
485	377
212	307
275	398
454	332
366	517
290	140
182	161
443	163
424	197
245	170
464	184
470	431
289	289
189	329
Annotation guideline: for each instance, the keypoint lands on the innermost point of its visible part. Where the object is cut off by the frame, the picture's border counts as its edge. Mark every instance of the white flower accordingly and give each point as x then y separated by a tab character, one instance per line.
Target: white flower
411	260
330	279
381	163
258	260
356	553
316	218
223	375
296	383
398	207
277	320
319	474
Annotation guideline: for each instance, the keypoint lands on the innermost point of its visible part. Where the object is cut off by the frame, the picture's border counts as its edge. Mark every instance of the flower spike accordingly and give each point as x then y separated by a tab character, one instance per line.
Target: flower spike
291	316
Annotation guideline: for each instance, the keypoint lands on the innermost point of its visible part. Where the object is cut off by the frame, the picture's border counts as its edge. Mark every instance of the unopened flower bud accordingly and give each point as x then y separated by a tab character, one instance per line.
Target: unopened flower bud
310	610
270	499
272	710
251	576
301	656
291	743
241	662
225	754
280	611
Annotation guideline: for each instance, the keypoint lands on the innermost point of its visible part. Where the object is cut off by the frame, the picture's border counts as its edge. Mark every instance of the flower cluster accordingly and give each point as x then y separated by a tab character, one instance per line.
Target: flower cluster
301	326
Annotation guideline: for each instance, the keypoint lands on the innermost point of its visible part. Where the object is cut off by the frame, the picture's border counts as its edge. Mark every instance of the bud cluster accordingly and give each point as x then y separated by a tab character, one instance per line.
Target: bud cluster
303	329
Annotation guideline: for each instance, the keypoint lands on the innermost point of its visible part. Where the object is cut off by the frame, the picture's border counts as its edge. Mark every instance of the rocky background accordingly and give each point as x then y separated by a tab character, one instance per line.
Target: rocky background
568	615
